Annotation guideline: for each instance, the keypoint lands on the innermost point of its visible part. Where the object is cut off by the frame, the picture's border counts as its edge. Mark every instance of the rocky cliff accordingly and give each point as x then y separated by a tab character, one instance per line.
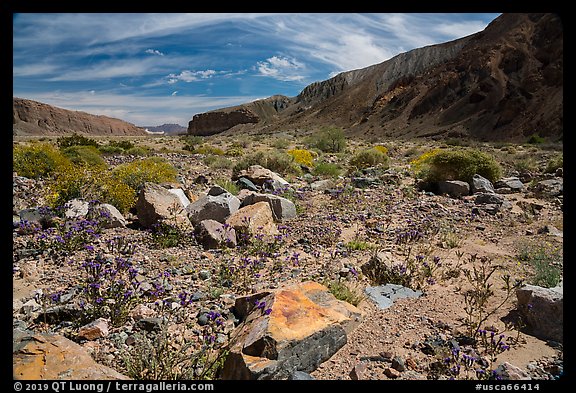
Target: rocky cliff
260	111
503	83
36	118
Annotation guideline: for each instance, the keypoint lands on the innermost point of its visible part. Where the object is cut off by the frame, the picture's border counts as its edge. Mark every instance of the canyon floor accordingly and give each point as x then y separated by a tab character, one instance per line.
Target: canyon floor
333	235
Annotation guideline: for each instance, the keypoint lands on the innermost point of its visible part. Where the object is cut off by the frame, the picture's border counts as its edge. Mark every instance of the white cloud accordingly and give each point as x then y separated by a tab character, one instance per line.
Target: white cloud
281	68
154	52
190	76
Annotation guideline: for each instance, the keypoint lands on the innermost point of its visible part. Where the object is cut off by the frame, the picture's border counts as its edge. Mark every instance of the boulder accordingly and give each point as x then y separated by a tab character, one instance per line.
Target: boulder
213	207
76	209
481	184
322	185
264	178
291	329
54	357
156	203
282	208
549	188
40	216
542	310
245	184
114	219
256	219
212	234
485	198
181	195
94	330
454	188
384	295
512	183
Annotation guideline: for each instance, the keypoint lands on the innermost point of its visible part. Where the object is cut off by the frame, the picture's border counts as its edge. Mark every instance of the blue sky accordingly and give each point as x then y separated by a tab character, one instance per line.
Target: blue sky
151	69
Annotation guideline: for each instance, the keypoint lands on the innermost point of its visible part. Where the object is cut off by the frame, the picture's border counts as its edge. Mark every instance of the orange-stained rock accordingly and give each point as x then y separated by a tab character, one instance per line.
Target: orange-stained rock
294	328
254	219
54	357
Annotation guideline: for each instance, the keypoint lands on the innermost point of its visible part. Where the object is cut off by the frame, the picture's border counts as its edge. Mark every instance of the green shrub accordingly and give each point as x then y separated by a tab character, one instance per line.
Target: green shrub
554	163
124	145
278	162
326	169
152	169
75	140
85	155
90	184
546	261
228	185
329	140
369	158
457	164
190	142
138	151
218	162
207	149
343	292
38	160
234	151
535	139
110	150
280	143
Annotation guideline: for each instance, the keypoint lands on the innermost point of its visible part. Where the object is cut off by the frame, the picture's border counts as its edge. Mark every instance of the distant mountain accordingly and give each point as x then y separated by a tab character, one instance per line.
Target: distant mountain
36	118
170	129
503	83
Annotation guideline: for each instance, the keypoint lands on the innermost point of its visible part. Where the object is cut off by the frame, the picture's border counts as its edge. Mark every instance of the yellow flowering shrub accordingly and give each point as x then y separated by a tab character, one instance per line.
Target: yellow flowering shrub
302	157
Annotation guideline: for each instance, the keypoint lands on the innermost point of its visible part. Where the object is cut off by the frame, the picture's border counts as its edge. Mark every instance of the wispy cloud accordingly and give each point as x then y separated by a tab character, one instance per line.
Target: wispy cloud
190	76
281	68
154	52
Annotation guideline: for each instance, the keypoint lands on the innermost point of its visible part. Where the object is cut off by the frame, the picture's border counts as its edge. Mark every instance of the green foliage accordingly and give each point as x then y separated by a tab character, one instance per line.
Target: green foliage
234	151
535	139
369	158
228	185
190	141
87	155
75	140
208	149
457	164
90	184
358	245
554	163
341	291
329	140
280	143
39	160
110	150
218	162
138	151
545	260
327	169
278	162
152	169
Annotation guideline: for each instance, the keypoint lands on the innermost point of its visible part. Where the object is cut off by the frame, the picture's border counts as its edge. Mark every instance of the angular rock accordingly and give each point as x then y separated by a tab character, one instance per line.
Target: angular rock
305	327
54	357
481	184
212	234
301	376
282	208
264	178
542	310
384	295
76	208
94	330
256	219
181	195
485	198
38	215
508	371
115	219
213	207
358	371
512	183
322	185
549	188
155	204
246	184
454	188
